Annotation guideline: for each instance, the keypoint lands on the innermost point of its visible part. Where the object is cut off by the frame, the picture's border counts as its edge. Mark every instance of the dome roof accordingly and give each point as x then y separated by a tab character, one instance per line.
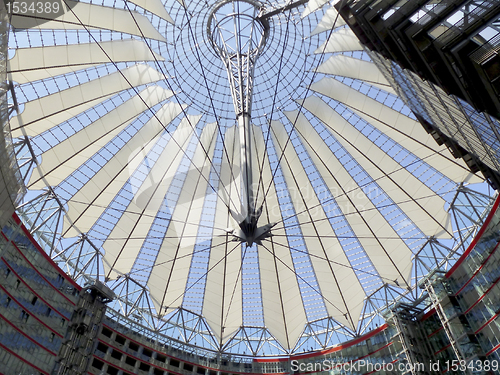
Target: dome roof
130	111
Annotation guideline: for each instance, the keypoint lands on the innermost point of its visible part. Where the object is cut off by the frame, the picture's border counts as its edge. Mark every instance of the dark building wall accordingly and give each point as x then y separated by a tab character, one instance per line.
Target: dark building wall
442	59
474	287
121	352
451	43
49	325
464	323
37	300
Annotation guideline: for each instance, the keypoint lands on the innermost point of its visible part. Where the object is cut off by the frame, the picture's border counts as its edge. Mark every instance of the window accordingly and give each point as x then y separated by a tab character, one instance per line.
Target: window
161	358
120	340
144	367
130	361
34	299
24	316
102	348
106	332
116	354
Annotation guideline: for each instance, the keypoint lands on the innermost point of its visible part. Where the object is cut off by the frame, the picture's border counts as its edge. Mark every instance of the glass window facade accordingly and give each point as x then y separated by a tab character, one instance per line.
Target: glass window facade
35	297
442	57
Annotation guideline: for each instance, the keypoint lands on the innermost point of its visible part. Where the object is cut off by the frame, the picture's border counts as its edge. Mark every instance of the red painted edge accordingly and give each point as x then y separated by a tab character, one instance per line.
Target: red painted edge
118	367
260	360
31	314
31	289
337	348
487	323
495	282
479	269
22	359
442	349
141	344
428	314
164	368
44	254
435	332
26	335
476	239
493	350
130	355
38	272
353	361
162	353
375	351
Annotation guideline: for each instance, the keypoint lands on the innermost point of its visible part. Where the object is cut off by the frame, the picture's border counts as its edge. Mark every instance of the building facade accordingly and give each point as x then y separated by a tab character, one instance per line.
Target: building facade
50	325
442	59
37	303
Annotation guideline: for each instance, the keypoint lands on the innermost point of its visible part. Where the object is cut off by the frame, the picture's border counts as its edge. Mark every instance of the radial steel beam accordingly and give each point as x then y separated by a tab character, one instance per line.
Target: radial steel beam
239	36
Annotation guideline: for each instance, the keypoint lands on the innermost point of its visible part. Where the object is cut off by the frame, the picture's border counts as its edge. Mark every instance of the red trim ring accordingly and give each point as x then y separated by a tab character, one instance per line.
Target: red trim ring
476	239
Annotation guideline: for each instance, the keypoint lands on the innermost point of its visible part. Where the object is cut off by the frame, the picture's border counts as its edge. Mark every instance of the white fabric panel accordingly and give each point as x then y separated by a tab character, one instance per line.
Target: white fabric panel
229	190
222	304
42	114
407	132
388	252
330	19
419	203
61	160
312	6
155	7
132	227
89	16
169	276
284	313
91	200
32	64
259	157
337	281
341	40
346	66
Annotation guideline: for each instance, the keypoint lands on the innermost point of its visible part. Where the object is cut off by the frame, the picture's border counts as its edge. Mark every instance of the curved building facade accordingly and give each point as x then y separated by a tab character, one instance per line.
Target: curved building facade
243	187
50	325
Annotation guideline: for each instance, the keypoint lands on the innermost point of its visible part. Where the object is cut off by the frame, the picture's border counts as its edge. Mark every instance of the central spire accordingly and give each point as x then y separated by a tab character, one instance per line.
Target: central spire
239	36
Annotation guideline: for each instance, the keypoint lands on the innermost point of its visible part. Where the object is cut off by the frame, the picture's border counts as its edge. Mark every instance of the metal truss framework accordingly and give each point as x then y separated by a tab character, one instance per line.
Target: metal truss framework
190	332
82	257
238	39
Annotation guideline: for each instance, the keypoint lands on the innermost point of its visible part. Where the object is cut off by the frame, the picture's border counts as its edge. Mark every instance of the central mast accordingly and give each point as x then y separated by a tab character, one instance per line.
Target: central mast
238	36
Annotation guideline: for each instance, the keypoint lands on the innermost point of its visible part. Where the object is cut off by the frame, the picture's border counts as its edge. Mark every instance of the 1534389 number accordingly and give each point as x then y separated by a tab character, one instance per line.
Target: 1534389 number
33	7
